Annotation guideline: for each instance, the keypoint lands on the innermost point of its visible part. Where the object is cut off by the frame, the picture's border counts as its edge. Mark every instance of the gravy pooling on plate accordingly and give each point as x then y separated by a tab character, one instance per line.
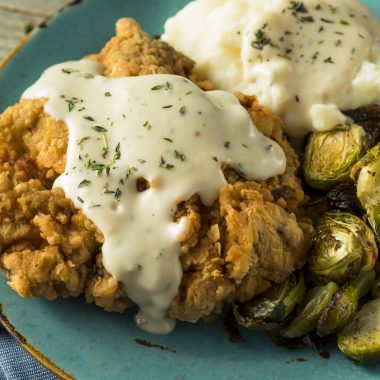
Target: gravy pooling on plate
138	146
305	60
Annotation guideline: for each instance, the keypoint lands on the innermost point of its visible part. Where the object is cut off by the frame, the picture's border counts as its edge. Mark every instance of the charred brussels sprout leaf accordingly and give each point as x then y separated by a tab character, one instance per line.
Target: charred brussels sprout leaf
344	304
344	246
329	156
315	303
270	309
360	339
366	174
343	198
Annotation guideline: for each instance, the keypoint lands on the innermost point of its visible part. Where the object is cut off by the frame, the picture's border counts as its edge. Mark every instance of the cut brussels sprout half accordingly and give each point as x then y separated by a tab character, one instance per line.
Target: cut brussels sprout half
373	217
344	304
360	339
366	174
329	156
270	309
344	246
315	303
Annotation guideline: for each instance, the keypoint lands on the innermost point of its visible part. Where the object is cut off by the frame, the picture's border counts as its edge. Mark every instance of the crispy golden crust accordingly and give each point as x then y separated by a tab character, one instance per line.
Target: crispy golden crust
250	238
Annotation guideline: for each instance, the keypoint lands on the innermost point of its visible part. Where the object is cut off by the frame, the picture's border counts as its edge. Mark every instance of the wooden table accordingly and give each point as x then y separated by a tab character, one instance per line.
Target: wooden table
19	17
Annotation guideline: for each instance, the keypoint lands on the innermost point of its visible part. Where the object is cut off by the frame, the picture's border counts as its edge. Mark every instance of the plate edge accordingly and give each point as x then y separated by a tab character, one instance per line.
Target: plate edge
36	29
41	358
37	355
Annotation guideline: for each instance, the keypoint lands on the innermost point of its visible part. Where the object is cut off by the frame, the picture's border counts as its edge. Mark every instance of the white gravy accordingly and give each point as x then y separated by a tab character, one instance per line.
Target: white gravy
161	128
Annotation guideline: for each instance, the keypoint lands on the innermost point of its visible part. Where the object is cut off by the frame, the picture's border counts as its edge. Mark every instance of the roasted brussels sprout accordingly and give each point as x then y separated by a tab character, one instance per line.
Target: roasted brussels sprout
367	177
344	246
330	155
270	309
360	339
314	304
344	304
366	174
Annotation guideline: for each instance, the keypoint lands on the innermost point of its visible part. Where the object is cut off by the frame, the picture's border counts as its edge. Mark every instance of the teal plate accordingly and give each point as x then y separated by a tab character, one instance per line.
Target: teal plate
82	341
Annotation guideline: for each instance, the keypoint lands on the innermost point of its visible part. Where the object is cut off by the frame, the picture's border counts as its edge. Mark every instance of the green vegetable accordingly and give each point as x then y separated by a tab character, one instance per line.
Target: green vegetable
313	306
271	309
344	246
367	177
329	156
344	304
360	339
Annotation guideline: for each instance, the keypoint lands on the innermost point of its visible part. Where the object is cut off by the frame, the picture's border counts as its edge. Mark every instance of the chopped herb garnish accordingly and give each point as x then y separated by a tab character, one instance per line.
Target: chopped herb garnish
227	144
338	43
261	40
93	206
315	56
170	106
167	139
88	76
147	126
101	167
141	161
98	128
89	118
344	22
117	155
329	60
215	159
244	146
308	19
117	149
130	170
84	183
106	190
82	140
189	92
117	193
268	148
298	6
107	94
166	86
182	110
105	146
327	21
179	156
80	199
165	165
71	103
69	71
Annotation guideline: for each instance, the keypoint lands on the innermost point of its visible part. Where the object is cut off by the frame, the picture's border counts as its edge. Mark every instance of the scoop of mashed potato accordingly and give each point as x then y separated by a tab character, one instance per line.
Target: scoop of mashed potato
306	61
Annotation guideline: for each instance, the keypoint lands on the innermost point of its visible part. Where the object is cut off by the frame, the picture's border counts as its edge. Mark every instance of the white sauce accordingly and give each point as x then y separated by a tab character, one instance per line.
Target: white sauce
305	60
162	128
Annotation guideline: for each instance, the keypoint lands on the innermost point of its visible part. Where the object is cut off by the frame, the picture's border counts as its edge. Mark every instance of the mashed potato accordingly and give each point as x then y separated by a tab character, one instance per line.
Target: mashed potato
306	61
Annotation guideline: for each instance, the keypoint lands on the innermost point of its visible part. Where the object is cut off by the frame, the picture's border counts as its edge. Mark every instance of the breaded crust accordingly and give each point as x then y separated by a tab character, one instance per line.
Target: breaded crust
250	238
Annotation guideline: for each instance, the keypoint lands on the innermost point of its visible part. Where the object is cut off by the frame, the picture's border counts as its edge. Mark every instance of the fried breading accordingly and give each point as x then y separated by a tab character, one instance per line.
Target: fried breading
251	237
